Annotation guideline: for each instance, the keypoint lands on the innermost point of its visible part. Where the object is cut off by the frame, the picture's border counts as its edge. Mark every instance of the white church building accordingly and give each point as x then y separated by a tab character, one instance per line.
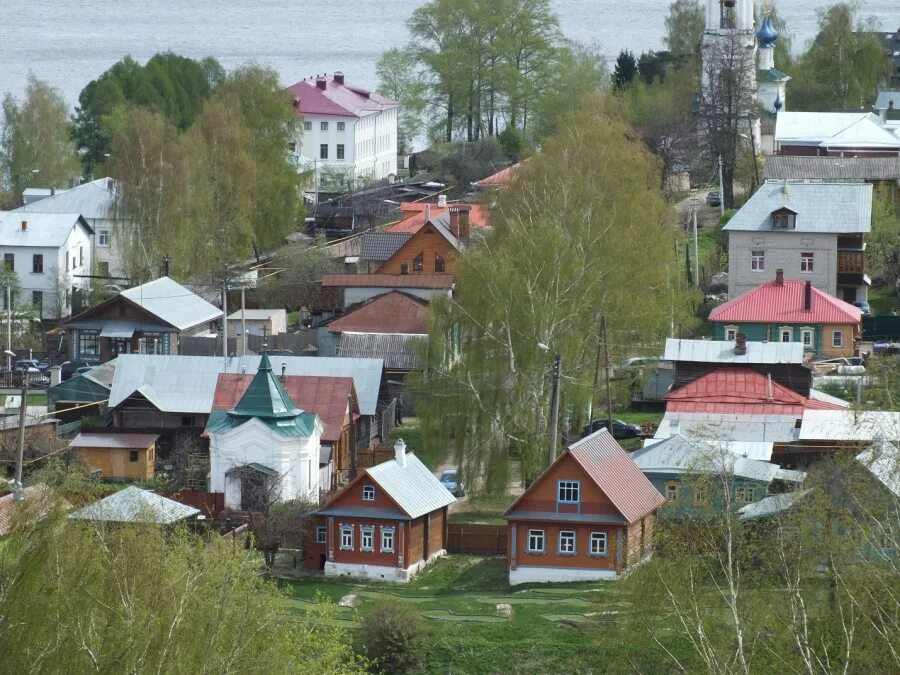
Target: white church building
265	449
346	129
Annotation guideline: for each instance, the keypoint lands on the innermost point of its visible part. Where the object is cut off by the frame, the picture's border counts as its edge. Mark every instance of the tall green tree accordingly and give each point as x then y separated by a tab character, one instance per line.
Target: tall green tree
684	29
884	242
581	219
843	67
398	79
35	147
625	69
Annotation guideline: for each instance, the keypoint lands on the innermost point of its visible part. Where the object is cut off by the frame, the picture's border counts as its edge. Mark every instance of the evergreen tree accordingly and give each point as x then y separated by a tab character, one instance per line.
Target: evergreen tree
625	70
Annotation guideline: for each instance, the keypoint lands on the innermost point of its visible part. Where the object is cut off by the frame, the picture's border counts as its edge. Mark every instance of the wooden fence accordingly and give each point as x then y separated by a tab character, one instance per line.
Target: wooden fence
476	539
210	503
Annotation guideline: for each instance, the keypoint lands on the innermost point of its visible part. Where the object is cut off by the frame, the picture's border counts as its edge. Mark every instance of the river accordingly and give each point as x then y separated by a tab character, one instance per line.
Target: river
70	42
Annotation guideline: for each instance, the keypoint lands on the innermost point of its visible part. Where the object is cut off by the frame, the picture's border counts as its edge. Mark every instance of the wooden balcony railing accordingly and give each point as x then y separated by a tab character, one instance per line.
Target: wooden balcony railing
851	262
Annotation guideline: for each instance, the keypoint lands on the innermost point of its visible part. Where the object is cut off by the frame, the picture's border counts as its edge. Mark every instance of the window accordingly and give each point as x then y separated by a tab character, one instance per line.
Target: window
837	339
419	263
37	263
535	541
404	268
37	299
806	262
186	421
700	495
671	489
9	260
81	256
341	126
731	333
88	344
340	151
757	260
367	538
368	493
323	151
744	495
387	539
568	491
806	336
438	263
132	455
566	543
784	219
103	269
307	126
323	126
321	535
102	237
598	543
787	334
346	537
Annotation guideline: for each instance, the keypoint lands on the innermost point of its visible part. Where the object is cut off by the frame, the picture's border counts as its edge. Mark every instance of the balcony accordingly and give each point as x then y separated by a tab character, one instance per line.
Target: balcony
851	262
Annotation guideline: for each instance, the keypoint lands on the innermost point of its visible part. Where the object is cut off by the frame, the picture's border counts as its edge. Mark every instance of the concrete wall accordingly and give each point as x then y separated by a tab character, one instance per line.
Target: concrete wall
782	251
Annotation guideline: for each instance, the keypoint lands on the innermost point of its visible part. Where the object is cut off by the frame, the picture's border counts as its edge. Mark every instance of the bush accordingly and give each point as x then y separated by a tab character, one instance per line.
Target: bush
391	637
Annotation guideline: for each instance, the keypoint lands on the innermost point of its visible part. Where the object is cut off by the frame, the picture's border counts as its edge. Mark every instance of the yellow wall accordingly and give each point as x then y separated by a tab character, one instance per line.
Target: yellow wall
116	462
848	347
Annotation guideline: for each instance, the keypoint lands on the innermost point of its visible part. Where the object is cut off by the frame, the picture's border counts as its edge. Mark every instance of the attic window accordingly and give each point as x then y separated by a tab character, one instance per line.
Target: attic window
419	263
368	493
784	219
438	263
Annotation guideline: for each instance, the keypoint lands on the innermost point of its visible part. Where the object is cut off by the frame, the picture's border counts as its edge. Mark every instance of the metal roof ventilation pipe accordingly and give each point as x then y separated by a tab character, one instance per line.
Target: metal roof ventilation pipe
400	452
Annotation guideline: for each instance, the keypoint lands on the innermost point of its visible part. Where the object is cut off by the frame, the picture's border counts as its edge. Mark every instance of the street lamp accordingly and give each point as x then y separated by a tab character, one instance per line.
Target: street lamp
554	403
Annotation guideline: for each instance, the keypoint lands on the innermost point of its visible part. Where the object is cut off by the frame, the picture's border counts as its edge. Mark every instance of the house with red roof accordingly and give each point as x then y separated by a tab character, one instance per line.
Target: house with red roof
346	129
500	179
785	310
590	515
413	215
431	249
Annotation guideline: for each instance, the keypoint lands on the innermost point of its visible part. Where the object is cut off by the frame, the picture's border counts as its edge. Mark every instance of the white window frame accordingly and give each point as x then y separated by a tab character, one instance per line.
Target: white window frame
346	537
368	493
671	491
757	260
533	537
731	333
785	330
837	339
103	237
366	534
567	543
572	490
321	535
307	125
743	494
341	126
323	126
807	332
387	539
595	547
807	261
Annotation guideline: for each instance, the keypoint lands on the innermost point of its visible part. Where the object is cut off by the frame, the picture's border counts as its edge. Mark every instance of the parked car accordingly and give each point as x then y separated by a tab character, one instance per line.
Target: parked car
714	199
20	365
620	429
864	308
71	368
450	479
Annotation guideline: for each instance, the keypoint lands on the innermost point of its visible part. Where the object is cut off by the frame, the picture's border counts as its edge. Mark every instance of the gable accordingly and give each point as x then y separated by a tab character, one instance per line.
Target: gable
350	498
426	241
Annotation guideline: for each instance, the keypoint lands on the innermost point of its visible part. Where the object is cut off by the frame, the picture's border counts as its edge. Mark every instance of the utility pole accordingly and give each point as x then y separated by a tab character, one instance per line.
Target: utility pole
8	329
596	375
753	152
696	247
606	368
166	261
554	410
721	190
19	493
225	323
243	322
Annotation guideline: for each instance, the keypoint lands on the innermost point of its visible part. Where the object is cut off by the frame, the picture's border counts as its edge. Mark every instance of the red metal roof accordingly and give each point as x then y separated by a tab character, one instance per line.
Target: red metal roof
339	100
388	280
393	312
324	396
740	391
413	215
501	178
611	469
783	303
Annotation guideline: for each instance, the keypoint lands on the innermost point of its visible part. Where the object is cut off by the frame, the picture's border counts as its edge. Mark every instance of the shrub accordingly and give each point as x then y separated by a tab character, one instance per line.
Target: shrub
391	637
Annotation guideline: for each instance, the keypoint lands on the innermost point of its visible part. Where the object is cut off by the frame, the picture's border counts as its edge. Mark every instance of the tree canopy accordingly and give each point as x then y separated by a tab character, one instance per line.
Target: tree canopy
684	29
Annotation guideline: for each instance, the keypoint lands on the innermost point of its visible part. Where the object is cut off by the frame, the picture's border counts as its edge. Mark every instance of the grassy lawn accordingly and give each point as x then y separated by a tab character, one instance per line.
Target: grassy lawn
639	417
882	299
478	624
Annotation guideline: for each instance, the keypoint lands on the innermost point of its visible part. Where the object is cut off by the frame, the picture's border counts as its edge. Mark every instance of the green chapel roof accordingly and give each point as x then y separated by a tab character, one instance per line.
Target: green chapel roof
266	397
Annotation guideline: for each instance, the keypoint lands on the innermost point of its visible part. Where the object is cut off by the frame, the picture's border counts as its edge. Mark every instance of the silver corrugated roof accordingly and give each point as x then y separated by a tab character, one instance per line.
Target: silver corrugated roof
780	167
884	99
256	314
771	506
817	395
413	487
399	351
113	441
91	200
134	505
838	208
380	246
188	383
44	230
850	425
729	427
883	461
813	128
722	351
173	303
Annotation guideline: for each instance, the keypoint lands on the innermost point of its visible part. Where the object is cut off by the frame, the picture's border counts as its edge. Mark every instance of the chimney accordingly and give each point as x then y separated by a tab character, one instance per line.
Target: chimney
807	296
779	277
400	452
52	191
283	373
110	184
24	225
427	212
674	427
338	77
321	83
459	221
770	390
442	201
740	344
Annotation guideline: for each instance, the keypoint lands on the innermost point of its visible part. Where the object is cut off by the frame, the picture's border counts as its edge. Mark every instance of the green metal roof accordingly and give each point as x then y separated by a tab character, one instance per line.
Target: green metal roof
266	397
775	75
301	426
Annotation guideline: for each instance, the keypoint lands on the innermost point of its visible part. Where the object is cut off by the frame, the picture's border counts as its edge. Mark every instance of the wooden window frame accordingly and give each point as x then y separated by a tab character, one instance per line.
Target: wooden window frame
807	262
757	260
670	491
595	537
701	495
567	536
573	488
368	490
837	339
389	533
321	535
367	531
346	530
535	534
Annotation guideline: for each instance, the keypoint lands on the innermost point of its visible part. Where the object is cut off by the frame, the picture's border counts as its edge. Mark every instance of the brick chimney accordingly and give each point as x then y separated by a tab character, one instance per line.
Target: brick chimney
339	77
807	296
779	277
459	221
321	82
24	225
740	344
400	452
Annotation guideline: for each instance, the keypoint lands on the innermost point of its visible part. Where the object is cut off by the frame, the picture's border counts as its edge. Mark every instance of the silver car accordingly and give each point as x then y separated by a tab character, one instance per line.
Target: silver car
450	479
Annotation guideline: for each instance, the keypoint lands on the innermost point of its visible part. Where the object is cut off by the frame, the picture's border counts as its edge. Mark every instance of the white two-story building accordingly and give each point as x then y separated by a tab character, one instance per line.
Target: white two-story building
346	130
47	251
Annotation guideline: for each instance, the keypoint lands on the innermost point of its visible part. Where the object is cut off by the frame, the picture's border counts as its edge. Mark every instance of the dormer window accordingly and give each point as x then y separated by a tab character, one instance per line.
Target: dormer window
784	219
368	493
